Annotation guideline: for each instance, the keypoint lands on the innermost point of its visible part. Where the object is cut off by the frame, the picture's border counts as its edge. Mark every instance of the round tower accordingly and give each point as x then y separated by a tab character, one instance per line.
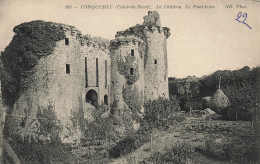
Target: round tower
155	61
127	74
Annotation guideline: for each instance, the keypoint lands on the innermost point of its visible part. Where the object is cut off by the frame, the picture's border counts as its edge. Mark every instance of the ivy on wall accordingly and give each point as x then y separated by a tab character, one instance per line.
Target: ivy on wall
133	99
124	67
50	126
31	41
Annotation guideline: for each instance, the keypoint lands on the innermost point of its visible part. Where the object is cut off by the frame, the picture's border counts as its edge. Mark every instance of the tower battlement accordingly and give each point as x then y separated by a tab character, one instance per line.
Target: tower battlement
129	40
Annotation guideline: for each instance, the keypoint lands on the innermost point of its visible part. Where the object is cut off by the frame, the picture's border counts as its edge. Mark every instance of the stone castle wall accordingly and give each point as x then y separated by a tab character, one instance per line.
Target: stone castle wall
96	70
126	67
60	81
155	68
52	85
82	73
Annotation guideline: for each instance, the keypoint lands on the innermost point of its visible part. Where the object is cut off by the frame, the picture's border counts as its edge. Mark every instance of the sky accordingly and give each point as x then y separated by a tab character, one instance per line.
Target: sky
202	40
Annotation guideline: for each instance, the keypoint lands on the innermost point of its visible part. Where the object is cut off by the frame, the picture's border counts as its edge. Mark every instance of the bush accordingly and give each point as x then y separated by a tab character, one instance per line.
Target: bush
194	104
50	126
112	126
179	153
41	145
133	98
41	152
218	146
161	113
127	145
100	126
131	142
238	148
244	101
244	149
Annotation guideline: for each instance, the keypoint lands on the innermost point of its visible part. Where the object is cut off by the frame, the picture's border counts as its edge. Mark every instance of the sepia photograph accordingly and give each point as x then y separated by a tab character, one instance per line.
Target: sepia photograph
129	82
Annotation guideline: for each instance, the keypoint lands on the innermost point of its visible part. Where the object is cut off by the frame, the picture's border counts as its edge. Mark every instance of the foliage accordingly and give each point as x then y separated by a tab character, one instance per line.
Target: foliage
31	41
124	66
133	99
47	146
137	30
114	107
124	146
241	87
186	104
210	83
77	116
244	149
245	102
187	91
158	114
184	88
50	126
101	41
180	153
131	142
161	112
1	66
218	146
100	127
39	152
239	148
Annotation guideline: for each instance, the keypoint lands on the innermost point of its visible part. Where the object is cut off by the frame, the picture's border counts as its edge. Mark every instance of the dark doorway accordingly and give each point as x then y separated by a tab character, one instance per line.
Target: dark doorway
92	97
106	99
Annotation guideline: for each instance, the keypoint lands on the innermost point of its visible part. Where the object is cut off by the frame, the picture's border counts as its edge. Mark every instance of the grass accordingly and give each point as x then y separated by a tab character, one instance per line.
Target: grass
179	153
211	141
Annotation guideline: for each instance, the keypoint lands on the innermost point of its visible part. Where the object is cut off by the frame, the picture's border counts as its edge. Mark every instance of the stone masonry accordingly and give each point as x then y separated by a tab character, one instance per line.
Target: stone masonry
83	73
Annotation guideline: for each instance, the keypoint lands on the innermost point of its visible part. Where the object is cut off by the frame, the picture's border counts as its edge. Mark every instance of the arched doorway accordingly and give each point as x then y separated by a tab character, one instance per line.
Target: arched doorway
92	97
106	99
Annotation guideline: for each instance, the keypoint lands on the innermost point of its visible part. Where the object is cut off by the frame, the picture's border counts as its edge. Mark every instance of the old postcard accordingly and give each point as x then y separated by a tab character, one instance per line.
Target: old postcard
127	81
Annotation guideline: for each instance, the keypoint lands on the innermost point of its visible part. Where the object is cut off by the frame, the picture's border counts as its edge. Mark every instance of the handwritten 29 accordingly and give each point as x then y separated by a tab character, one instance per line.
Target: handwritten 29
244	16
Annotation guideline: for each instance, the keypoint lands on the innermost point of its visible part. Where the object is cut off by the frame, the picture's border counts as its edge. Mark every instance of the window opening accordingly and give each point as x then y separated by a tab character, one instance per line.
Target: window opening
131	71
132	52
67	68
67	41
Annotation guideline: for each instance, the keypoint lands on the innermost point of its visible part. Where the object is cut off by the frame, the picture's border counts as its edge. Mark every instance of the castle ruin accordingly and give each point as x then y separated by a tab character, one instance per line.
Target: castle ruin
80	71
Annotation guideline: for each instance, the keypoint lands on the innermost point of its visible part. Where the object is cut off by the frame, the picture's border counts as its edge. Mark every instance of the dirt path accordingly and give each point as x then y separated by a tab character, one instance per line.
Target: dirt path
182	132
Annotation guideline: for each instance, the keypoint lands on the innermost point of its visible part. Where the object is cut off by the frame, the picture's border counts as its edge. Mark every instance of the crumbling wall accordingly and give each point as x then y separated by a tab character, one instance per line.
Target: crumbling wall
53	83
154	54
61	70
127	69
152	19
